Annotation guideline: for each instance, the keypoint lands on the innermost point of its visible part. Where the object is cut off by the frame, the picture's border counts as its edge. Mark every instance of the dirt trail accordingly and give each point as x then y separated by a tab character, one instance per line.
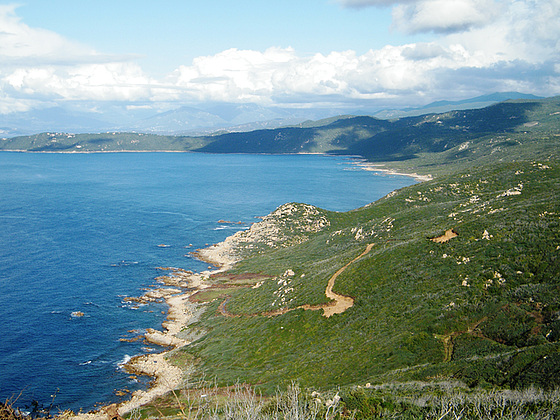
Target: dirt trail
342	302
446	237
337	305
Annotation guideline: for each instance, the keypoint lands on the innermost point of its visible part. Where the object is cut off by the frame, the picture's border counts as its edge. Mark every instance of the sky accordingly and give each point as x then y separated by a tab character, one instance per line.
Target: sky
287	53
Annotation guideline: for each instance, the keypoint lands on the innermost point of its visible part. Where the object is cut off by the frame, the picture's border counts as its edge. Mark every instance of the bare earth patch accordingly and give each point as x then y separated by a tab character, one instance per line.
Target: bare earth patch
446	237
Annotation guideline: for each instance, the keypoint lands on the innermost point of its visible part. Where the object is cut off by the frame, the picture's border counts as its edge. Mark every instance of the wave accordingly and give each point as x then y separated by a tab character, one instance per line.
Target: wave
124	361
234	227
183	215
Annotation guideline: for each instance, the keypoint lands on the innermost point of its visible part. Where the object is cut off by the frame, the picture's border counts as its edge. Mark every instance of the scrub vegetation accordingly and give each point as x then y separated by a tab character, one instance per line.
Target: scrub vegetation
456	306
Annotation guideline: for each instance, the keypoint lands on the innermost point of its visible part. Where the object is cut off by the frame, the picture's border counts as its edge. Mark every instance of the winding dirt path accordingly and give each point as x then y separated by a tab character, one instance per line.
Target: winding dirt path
342	303
337	305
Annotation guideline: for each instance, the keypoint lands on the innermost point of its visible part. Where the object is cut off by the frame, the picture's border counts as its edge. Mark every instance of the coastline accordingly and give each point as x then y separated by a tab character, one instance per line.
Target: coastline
379	167
177	287
181	312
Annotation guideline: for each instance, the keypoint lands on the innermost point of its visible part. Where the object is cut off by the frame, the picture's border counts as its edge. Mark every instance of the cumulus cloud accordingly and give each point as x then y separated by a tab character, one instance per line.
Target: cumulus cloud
444	16
524	30
518	51
37	63
439	16
113	81
241	75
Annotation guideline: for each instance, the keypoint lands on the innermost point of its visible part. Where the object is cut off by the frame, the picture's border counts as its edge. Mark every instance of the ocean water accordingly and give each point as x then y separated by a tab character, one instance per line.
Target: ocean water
79	232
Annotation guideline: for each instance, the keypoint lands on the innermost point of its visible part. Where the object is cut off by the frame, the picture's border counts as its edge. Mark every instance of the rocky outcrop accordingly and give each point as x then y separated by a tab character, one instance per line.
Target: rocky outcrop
288	225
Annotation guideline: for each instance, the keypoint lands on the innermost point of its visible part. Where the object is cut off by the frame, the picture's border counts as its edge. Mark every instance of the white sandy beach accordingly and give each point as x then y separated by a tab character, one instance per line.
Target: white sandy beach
368	166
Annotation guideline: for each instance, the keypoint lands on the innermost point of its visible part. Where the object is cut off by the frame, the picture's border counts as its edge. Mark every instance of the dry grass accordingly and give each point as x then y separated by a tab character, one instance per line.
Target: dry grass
441	401
241	402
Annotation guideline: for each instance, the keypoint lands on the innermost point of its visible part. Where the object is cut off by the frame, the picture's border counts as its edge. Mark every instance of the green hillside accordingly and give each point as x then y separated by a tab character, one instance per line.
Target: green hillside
103	142
482	307
454	282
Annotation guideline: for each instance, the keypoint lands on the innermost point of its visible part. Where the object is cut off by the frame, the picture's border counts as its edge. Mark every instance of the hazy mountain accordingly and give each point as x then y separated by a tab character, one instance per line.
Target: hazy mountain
444	106
49	119
177	121
95	117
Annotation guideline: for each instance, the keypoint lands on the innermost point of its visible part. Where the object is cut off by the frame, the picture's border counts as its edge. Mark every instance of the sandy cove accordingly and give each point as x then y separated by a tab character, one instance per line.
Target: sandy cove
380	168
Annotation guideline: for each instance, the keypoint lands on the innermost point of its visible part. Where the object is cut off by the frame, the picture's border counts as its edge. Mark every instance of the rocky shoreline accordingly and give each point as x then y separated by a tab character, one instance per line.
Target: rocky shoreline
177	288
179	285
181	312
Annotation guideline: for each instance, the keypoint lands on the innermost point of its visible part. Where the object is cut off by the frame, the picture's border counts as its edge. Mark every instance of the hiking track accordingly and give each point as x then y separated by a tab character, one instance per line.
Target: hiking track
337	305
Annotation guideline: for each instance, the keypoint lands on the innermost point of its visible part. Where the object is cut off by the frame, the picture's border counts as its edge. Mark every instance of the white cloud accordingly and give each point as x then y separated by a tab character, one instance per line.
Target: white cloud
21	44
525	30
241	75
519	50
112	81
40	64
444	16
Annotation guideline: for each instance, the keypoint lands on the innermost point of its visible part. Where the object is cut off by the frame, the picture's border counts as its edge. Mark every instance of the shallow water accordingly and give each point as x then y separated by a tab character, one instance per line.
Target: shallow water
79	232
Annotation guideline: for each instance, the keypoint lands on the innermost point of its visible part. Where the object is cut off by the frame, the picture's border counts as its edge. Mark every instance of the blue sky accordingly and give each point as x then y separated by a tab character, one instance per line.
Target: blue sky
304	53
171	33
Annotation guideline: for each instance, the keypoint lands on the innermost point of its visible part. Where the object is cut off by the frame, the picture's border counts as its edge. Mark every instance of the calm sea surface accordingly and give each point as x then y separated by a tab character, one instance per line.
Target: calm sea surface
79	232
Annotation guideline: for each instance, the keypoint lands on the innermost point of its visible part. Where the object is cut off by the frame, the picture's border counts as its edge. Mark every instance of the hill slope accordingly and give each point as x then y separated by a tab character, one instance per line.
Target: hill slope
482	307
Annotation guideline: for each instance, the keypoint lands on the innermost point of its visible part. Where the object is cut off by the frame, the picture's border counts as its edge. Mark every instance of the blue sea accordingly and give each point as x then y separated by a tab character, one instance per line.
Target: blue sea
80	232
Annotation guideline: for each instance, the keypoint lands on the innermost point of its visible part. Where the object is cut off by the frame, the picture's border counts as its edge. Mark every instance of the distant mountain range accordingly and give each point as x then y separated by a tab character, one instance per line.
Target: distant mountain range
444	106
373	138
84	117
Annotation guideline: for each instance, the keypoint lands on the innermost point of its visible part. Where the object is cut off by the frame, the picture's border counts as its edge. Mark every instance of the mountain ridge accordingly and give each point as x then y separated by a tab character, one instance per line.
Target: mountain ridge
372	138
90	117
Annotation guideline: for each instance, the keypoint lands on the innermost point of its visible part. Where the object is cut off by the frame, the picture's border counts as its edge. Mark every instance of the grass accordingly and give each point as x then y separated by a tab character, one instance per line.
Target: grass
8	412
242	402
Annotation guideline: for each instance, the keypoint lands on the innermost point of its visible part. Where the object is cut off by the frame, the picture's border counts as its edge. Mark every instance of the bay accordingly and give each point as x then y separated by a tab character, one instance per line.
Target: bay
80	232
